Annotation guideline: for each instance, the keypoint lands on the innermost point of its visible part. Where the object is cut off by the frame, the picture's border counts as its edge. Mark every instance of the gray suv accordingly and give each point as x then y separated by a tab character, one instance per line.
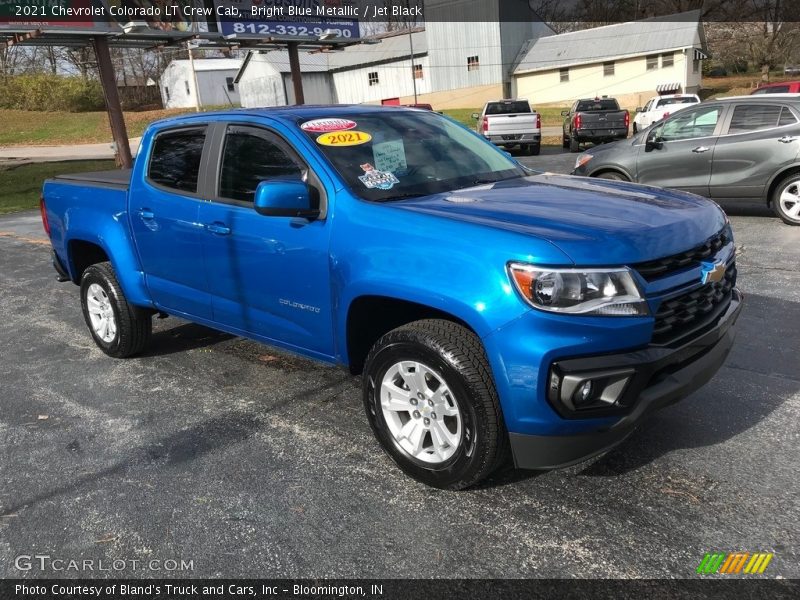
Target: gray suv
742	148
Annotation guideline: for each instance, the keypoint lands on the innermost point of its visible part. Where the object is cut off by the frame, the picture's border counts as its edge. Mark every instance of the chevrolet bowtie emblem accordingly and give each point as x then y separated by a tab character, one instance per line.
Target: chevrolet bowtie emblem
713	272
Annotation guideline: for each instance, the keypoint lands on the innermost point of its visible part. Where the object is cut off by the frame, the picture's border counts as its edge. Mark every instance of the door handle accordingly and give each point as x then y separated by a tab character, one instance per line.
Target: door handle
146	214
787	139
218	228
701	149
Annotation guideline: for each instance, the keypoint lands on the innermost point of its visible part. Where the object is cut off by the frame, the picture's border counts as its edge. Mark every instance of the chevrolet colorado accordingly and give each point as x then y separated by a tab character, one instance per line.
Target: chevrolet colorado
489	309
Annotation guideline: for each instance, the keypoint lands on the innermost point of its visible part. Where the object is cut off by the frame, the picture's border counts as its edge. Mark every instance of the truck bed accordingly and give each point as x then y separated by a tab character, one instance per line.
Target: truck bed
117	178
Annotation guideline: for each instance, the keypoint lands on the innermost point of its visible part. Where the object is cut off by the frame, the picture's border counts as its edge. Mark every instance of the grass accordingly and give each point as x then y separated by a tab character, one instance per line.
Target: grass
551	115
22	184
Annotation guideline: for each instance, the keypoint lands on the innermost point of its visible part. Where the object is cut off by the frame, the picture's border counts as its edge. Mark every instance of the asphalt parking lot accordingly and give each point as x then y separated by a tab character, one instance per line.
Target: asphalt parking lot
250	462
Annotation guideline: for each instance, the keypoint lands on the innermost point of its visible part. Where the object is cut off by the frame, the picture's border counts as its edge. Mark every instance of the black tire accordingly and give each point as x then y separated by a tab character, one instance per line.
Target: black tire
534	149
791	182
565	143
574	145
134	325
635	129
613	175
457	355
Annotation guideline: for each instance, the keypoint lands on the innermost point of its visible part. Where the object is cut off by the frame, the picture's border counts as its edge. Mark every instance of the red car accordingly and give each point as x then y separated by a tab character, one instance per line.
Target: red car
782	87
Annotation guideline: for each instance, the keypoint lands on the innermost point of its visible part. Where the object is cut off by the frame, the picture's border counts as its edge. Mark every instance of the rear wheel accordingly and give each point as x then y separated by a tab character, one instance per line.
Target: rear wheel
118	328
786	199
574	146
534	149
432	404
565	143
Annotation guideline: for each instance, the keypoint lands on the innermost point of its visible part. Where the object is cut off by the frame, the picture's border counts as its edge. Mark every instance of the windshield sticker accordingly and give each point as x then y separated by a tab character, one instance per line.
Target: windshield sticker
344	138
390	156
375	179
326	125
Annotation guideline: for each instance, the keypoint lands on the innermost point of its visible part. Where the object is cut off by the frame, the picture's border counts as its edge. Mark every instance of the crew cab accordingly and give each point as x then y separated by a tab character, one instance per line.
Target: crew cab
511	124
597	120
489	309
659	107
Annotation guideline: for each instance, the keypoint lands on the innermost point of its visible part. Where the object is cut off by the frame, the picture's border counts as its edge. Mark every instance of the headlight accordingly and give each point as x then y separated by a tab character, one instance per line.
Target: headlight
606	292
582	160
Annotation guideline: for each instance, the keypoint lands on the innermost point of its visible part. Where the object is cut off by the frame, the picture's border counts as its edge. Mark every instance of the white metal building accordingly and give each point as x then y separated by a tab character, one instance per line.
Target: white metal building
630	61
265	79
215	83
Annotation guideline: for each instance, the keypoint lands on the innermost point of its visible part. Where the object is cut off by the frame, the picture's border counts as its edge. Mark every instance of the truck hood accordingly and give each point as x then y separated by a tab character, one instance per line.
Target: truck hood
593	221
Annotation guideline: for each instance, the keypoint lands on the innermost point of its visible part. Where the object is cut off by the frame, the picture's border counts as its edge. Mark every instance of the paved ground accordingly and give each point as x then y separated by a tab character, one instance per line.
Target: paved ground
64	152
252	462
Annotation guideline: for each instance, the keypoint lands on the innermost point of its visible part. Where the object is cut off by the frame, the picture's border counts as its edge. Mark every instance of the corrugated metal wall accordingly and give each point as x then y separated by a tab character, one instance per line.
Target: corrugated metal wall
394	80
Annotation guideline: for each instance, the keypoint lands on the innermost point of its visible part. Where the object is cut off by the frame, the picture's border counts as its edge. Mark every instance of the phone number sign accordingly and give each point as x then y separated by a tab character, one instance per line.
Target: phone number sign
286	18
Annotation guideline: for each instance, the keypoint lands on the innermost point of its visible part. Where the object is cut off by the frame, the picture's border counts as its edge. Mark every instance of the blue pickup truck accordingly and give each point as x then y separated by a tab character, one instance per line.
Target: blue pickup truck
491	310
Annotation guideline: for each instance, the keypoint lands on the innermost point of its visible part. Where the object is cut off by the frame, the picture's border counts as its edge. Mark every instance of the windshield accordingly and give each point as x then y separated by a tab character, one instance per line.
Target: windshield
402	154
685	100
507	108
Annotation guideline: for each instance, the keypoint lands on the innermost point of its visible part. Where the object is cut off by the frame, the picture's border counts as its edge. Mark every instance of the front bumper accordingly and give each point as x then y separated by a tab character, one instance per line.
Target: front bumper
662	376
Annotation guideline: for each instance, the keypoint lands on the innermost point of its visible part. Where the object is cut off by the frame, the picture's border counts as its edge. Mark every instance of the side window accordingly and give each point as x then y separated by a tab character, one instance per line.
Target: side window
690	124
787	118
753	117
249	157
175	160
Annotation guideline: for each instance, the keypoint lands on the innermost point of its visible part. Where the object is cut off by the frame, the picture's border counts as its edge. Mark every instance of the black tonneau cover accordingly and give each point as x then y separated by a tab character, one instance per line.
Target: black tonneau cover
117	178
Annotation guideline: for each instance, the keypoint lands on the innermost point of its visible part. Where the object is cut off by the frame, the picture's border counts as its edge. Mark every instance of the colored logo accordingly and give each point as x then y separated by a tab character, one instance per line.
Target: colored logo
713	272
325	125
734	563
344	138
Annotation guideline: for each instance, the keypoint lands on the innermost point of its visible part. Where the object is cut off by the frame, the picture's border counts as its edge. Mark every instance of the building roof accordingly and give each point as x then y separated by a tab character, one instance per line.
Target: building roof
211	64
611	42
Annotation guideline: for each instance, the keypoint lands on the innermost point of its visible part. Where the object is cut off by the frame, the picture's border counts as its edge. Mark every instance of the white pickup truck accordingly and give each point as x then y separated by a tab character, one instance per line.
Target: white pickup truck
659	107
511	124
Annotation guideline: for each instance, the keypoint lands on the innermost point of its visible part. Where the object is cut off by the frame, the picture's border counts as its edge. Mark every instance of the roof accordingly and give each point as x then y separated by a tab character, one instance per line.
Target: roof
395	47
596	45
211	64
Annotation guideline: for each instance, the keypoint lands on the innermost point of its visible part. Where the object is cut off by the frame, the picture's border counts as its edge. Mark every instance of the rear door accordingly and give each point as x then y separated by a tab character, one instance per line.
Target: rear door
757	141
163	207
684	159
268	276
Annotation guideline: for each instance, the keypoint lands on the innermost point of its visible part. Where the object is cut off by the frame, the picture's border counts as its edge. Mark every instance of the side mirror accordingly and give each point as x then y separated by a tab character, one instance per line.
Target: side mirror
282	198
639	109
564	113
653	142
476	116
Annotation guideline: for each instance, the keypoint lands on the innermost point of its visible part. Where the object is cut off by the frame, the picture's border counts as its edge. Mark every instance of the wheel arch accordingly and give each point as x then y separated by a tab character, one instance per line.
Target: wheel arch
777	178
611	169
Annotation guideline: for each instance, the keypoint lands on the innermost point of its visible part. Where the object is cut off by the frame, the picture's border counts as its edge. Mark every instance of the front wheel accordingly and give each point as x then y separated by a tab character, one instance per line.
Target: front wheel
786	200
613	175
635	129
119	329
431	402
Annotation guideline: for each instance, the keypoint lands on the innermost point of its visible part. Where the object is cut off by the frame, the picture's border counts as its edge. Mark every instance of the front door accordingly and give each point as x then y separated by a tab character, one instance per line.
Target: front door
268	276
758	142
164	207
684	152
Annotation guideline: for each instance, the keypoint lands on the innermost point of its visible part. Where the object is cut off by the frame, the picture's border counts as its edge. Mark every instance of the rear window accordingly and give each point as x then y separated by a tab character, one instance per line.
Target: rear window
668	101
507	108
604	104
778	89
175	160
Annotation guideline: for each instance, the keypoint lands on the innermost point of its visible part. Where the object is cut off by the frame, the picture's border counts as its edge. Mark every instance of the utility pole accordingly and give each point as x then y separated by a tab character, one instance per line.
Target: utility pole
297	77
116	119
411	45
194	78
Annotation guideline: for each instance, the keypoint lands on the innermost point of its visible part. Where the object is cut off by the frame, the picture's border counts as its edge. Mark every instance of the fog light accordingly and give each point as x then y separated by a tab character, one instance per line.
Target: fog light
584	393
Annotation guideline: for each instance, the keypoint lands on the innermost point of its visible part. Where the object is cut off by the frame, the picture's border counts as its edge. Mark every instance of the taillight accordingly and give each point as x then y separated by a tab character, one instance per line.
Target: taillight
485	124
627	119
43	210
577	121
538	121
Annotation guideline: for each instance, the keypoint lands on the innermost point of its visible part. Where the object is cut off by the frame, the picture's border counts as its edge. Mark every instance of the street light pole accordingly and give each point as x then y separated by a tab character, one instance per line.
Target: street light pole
194	78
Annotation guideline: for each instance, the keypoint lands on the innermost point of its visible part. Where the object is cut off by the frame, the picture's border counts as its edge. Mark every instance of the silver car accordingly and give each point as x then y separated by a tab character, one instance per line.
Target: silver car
732	149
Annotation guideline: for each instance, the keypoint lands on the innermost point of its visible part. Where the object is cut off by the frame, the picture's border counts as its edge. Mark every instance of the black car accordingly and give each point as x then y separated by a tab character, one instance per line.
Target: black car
743	148
595	120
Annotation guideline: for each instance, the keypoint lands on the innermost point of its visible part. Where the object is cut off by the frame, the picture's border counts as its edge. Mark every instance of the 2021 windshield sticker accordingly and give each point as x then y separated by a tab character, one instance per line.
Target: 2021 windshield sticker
344	138
327	125
374	179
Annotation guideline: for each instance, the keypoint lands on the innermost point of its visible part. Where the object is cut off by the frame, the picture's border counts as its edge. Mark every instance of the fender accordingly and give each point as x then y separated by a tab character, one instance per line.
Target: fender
113	236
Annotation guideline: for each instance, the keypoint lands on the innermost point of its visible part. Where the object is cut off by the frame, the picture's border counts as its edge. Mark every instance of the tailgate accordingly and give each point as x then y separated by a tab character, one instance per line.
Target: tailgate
511	124
603	119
